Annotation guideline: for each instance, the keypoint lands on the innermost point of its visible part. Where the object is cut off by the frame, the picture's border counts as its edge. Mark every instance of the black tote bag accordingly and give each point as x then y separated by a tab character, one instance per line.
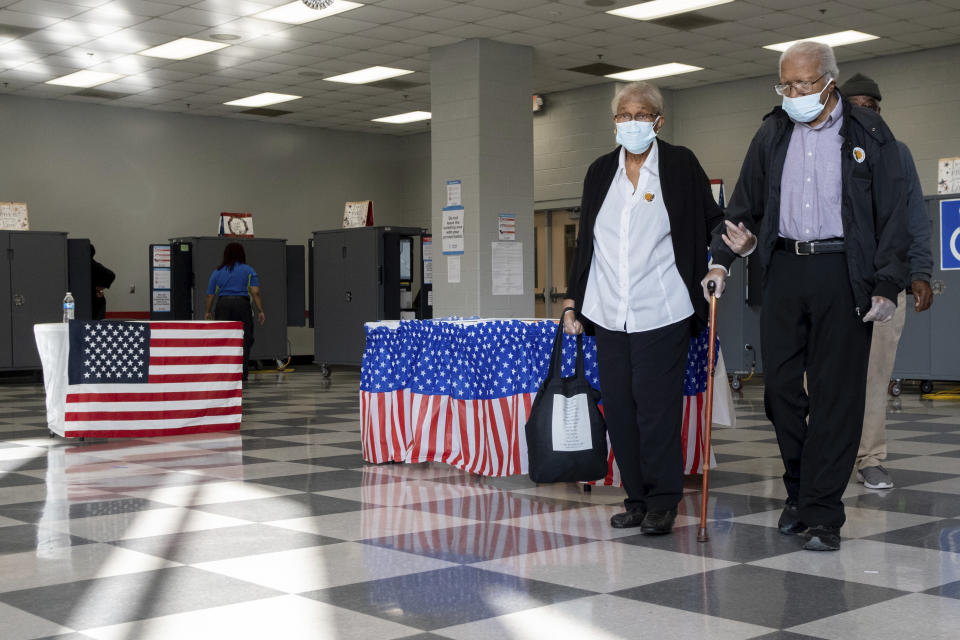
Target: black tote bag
566	433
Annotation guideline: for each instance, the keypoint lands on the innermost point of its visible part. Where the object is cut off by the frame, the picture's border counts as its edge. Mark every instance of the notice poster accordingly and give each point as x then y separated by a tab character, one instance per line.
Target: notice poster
427	250
948	175
161	278
161	256
453	269
571	423
161	301
358	214
507	267
454	193
507	226
451	230
13	216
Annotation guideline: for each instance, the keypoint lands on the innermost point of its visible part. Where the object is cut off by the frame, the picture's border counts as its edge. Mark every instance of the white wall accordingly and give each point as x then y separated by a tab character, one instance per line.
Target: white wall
129	177
921	103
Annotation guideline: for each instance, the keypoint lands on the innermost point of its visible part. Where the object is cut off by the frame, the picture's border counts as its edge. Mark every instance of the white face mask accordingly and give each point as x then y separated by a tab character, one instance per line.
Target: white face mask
636	136
805	108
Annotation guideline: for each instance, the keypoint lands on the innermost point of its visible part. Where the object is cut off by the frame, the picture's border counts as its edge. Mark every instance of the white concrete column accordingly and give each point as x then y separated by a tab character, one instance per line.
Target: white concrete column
482	135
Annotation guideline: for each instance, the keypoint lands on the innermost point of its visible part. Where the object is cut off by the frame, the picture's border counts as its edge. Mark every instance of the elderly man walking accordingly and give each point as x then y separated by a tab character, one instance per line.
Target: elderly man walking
864	92
822	188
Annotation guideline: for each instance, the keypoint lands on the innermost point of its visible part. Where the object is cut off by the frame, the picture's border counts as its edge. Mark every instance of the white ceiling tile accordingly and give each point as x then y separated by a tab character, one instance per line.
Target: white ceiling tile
401	50
427	23
468	31
390	33
416	6
377	14
30	20
514	22
200	18
434	40
519	37
340	24
146	8
169	27
45	8
233	7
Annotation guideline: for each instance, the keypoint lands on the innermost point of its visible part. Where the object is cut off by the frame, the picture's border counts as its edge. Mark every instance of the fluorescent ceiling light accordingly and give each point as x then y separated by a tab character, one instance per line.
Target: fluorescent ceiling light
371	74
183	48
404	118
833	39
662	8
262	100
299	13
84	79
659	71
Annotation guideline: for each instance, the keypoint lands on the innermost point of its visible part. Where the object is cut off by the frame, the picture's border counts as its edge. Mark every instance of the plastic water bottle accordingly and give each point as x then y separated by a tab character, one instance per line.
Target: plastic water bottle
68	307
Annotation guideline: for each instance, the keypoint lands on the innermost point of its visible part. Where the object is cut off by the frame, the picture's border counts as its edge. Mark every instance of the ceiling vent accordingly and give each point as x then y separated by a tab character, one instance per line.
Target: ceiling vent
599	69
687	21
268	113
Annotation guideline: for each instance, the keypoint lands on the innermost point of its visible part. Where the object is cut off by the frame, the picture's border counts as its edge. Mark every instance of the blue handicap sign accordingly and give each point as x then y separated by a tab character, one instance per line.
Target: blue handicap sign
949	234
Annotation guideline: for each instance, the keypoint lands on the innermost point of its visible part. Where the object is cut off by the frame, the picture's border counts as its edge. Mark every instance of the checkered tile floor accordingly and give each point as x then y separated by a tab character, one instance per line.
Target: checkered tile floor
281	531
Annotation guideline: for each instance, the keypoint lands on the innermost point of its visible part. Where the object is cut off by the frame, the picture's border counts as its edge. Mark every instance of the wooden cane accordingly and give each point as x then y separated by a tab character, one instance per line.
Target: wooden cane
702	535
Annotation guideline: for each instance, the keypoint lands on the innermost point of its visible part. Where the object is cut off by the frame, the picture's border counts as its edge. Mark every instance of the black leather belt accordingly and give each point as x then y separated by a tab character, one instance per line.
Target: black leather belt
814	247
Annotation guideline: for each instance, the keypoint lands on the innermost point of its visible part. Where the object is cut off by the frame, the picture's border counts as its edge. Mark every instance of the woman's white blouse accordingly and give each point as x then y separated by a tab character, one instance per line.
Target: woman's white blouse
634	284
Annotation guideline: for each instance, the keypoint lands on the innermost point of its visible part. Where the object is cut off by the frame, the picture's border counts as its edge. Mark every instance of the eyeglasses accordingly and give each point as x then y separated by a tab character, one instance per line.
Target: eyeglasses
802	87
641	116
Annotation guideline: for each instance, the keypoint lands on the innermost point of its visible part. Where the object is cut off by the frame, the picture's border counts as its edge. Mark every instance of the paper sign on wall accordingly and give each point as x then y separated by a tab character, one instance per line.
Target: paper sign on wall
507	268
451	230
358	214
507	226
454	193
453	269
13	216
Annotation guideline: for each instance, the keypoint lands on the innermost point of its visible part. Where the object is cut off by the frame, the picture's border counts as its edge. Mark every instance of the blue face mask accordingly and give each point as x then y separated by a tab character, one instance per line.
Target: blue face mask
636	136
804	108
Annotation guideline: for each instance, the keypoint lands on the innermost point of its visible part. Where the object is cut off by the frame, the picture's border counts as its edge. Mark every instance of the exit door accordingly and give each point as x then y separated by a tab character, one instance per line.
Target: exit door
556	241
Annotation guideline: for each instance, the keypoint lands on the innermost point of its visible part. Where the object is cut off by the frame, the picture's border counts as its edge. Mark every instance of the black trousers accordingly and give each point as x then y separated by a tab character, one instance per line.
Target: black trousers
238	308
808	325
641	379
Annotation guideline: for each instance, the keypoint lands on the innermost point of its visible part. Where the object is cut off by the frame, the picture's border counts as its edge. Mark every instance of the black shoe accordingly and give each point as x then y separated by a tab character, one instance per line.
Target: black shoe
627	519
658	522
821	538
789	523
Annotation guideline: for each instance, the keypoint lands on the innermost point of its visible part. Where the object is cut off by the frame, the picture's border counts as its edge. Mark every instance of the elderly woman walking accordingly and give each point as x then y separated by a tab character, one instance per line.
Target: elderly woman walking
646	216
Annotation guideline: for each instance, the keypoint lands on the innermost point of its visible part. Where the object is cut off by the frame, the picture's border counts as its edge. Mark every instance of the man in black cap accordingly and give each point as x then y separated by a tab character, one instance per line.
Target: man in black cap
862	91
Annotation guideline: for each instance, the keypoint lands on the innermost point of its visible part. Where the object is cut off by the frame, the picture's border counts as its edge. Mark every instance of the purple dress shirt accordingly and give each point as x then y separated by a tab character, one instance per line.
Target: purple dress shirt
811	184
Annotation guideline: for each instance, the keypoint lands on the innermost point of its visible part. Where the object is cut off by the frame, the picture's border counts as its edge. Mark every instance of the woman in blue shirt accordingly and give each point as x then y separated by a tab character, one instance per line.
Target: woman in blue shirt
233	284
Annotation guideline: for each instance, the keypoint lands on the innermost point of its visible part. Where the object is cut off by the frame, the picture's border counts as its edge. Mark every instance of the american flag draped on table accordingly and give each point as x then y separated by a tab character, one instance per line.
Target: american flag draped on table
141	379
460	392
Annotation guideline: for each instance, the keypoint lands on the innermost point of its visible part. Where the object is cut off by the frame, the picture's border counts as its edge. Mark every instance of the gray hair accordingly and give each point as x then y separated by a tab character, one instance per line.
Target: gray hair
643	91
822	53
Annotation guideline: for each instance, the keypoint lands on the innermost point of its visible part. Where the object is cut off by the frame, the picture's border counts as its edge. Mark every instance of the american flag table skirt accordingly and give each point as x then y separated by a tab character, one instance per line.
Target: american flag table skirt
141	379
459	392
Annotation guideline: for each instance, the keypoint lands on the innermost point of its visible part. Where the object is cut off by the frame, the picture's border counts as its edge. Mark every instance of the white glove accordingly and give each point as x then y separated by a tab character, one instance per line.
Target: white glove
881	310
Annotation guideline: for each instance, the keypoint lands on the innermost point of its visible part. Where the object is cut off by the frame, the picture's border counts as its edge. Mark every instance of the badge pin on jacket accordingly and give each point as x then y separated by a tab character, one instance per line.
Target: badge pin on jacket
859	154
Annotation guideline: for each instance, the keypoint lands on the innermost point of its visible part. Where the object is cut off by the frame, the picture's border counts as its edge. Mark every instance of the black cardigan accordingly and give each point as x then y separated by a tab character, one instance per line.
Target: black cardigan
690	206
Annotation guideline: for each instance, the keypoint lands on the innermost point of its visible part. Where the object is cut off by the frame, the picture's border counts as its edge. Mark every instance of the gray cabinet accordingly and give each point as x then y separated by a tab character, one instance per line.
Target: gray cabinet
929	348
268	257
738	322
33	281
355	276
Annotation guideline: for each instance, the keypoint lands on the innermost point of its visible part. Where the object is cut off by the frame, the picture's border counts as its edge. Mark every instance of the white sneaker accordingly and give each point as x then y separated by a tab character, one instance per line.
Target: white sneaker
875	478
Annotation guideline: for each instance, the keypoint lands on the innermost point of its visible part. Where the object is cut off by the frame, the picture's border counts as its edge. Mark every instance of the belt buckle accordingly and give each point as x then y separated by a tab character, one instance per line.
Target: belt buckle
796	248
